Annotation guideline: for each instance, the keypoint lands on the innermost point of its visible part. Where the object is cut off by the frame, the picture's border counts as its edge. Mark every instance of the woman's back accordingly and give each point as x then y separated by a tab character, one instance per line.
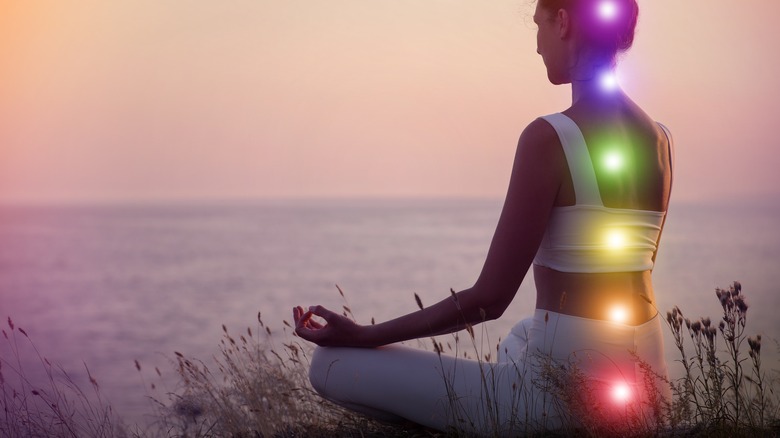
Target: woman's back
600	245
630	153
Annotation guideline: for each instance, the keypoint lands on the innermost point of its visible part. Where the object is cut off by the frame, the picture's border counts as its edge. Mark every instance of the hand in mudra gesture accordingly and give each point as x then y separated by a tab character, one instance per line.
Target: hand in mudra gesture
336	331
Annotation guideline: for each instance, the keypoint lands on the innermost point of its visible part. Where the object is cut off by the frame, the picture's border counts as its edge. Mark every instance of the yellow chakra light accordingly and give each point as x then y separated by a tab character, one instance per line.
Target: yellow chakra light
616	240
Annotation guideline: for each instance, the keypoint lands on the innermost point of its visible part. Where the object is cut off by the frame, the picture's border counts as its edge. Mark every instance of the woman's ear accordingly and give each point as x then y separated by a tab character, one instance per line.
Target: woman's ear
564	23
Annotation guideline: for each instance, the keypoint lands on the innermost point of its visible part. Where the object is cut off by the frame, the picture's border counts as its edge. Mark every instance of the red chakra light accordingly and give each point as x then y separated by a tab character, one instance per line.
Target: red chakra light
621	392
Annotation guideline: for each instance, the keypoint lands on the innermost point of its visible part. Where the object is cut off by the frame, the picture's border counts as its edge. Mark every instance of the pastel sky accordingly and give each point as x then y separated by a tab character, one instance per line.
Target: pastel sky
203	99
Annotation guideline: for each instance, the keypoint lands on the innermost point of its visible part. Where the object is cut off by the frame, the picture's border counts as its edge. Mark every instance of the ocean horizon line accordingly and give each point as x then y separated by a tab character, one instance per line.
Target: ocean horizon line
769	200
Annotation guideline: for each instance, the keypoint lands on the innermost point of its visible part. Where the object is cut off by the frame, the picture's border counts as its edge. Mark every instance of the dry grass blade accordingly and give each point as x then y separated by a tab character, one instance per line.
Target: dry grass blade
419	301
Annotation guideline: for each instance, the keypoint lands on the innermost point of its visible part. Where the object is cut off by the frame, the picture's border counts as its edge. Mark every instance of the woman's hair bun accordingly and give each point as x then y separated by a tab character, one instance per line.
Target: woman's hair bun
606	24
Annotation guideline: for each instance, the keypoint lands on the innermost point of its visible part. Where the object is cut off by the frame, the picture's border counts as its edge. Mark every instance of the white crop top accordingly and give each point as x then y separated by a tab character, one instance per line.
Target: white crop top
589	237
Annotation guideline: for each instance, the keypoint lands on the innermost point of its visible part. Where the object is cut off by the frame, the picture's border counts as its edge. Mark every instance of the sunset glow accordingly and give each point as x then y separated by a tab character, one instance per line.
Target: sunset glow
201	99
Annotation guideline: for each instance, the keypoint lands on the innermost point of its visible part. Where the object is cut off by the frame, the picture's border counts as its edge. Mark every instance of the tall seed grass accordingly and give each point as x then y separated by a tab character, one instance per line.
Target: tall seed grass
257	385
255	389
53	403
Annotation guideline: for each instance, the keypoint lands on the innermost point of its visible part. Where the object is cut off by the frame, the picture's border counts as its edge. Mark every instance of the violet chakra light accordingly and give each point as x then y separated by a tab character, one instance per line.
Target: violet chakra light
607	10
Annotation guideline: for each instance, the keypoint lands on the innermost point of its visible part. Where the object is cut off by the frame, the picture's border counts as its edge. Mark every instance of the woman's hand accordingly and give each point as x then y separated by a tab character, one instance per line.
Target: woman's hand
338	330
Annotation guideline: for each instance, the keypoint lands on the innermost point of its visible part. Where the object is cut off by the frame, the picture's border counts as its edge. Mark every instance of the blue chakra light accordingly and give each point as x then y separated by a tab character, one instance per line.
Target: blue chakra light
608	81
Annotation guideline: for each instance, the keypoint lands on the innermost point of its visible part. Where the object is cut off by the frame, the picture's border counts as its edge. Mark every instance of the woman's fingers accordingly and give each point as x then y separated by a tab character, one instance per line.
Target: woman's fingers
297	313
305	326
324	313
337	330
314	324
299	316
310	332
311	322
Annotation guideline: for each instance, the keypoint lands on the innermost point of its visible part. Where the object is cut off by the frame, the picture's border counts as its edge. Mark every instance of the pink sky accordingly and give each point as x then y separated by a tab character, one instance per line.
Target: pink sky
148	99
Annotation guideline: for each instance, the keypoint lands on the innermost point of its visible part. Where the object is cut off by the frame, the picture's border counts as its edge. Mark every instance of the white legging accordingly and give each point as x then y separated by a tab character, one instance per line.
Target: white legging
512	395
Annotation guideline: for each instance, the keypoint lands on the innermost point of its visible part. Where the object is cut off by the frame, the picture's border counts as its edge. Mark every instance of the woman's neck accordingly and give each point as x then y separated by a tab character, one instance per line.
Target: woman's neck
594	80
600	87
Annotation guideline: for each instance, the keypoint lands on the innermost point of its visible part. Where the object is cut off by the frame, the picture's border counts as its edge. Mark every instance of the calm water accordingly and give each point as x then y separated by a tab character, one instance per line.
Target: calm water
110	284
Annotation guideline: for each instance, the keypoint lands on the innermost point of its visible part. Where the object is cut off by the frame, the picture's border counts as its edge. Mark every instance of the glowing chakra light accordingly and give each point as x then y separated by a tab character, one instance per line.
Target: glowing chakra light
613	161
621	392
608	81
607	10
616	239
618	314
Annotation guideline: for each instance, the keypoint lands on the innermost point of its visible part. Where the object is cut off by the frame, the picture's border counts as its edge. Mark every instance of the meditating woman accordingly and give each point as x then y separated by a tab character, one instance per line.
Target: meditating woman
585	206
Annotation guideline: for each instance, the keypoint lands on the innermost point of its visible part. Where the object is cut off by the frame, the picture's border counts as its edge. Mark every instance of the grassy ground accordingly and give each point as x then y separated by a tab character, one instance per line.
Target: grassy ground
254	389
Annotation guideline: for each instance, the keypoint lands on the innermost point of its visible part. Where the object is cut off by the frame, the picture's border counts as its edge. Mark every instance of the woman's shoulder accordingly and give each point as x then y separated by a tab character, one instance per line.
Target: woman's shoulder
539	143
539	132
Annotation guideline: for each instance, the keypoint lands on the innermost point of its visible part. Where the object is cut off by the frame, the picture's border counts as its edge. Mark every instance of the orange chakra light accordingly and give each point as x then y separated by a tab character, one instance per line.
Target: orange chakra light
618	314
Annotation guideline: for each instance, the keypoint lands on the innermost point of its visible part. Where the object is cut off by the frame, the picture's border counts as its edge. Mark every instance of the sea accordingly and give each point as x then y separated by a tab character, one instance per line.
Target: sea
101	286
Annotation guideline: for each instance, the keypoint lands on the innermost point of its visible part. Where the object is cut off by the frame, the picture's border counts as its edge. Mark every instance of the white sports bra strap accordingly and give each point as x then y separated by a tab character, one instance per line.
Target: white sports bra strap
583	177
671	146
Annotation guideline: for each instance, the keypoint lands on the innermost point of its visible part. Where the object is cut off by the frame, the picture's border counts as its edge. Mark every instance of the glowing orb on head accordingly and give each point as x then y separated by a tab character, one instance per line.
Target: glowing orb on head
607	10
608	81
613	161
618	314
616	239
621	392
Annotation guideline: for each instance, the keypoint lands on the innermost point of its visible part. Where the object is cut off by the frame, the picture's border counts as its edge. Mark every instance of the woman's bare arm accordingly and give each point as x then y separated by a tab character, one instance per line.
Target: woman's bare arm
533	187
